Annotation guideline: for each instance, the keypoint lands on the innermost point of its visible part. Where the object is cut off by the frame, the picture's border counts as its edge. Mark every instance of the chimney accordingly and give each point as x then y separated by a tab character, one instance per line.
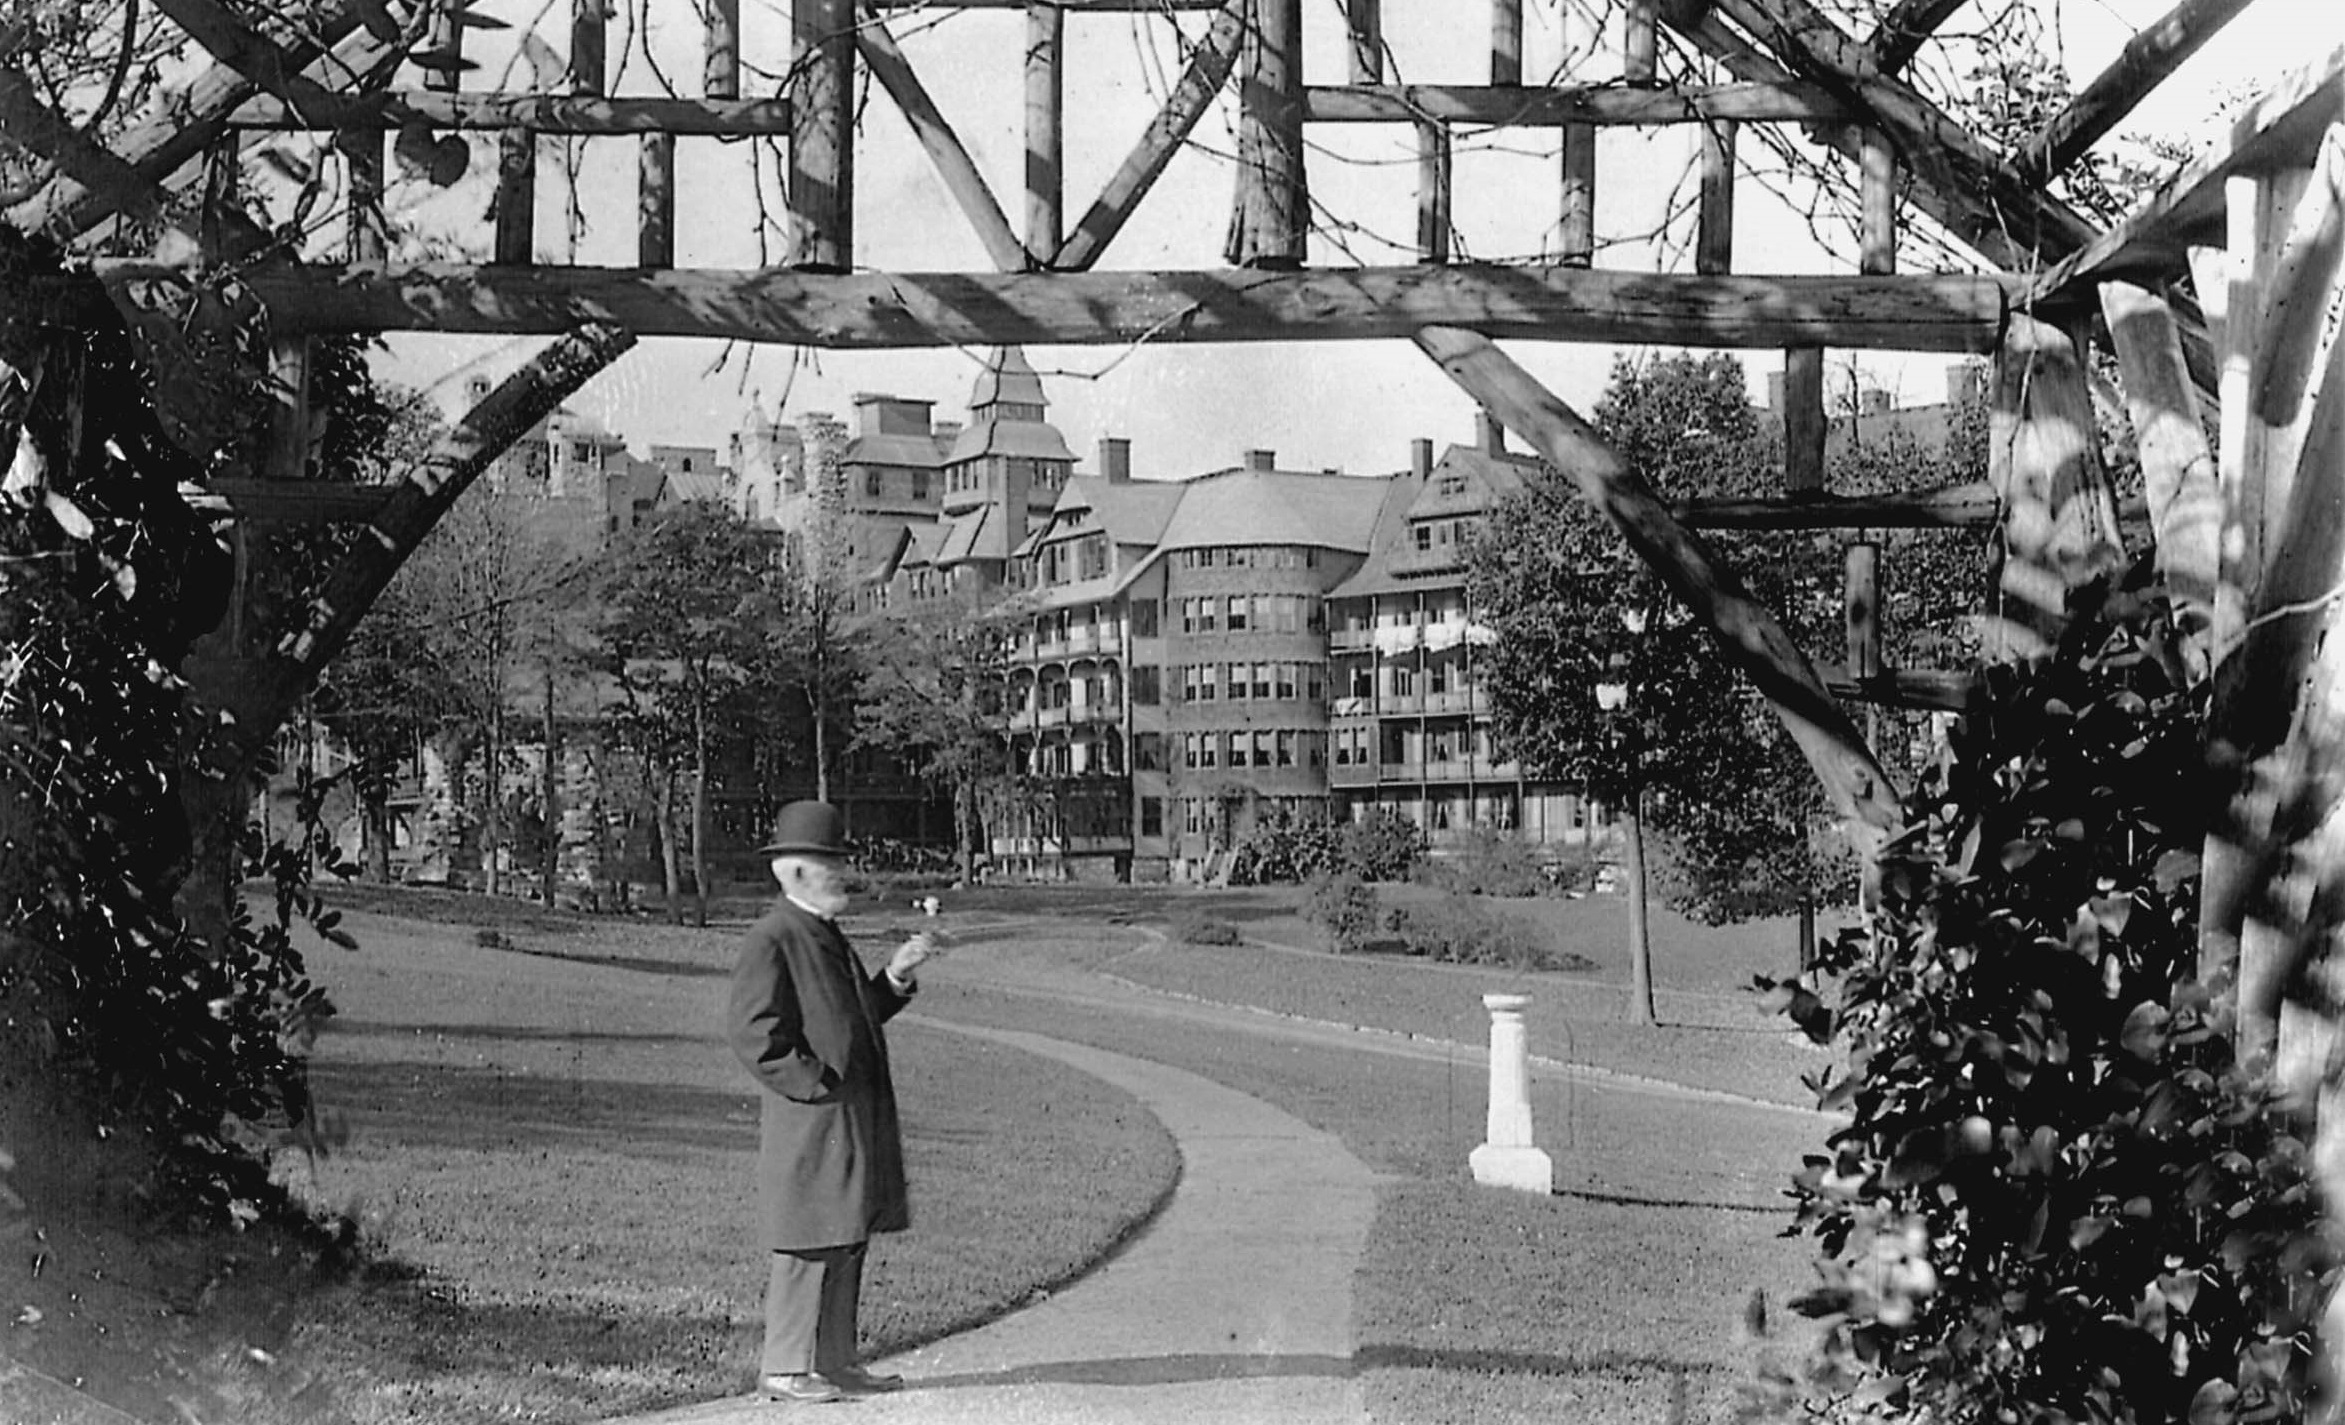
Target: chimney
1491	436
1261	460
1421	457
1775	392
1115	459
1872	401
1965	383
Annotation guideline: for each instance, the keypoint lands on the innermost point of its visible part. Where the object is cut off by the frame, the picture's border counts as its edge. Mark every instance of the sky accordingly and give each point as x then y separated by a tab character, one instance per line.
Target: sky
1187	409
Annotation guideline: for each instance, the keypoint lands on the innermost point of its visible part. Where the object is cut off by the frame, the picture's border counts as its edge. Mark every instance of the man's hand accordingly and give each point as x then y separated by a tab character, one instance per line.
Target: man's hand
916	951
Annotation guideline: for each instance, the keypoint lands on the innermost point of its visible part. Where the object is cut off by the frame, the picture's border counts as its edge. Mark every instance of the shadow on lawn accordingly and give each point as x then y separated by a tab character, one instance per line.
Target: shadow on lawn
1144	1370
474	1360
422	1103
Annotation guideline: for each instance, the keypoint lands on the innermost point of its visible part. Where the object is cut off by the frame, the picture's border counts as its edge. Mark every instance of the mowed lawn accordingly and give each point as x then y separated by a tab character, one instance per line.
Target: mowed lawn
574	1148
555	1141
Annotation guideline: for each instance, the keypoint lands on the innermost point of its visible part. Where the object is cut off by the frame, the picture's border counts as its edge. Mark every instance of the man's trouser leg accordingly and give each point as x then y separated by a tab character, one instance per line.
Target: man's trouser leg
811	1298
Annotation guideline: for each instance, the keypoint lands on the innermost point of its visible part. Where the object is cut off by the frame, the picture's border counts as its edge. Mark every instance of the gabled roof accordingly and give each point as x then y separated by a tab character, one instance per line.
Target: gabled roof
961	535
1489	480
917	451
1276	507
1025	440
707	487
1131	511
1007	377
1391	566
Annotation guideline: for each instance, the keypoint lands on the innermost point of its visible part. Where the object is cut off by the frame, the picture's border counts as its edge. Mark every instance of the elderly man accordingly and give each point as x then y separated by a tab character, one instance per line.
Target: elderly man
805	1017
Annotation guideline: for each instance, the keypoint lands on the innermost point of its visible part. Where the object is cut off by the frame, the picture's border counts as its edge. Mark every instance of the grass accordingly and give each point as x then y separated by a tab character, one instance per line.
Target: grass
560	1146
549	1157
1621	1297
1714	1041
554	1153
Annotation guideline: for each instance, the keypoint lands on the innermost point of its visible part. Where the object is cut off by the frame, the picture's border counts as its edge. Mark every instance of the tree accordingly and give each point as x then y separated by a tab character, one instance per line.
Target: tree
678	630
1597	678
809	633
932	695
492	586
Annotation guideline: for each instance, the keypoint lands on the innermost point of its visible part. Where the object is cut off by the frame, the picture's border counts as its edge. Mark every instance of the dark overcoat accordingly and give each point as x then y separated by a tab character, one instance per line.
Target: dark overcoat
804	1017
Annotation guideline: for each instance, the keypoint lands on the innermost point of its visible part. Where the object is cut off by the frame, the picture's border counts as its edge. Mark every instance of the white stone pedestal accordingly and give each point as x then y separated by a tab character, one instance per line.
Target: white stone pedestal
1508	1158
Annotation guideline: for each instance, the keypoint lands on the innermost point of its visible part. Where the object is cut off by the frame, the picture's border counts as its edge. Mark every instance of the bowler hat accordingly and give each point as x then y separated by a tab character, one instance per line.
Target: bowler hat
807	829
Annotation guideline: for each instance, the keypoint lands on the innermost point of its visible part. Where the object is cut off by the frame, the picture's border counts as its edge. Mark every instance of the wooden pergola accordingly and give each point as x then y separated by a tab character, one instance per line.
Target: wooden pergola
2218	297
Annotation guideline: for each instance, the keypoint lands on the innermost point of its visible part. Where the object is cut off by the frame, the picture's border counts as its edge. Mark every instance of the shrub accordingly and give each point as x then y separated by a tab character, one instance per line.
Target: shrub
1459	931
1205	930
1343	908
1569	870
1491	863
2059	1196
1286	849
1383	846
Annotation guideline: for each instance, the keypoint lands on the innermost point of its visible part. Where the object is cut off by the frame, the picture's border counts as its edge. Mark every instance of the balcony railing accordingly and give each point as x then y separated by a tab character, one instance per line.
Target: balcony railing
1400	771
1393	703
1354	774
1351	640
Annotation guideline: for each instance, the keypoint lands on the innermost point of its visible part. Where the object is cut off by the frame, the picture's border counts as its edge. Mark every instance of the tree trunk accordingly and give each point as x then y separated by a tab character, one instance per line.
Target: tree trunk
1640	938
375	819
1807	932
492	822
549	865
700	806
965	828
671	871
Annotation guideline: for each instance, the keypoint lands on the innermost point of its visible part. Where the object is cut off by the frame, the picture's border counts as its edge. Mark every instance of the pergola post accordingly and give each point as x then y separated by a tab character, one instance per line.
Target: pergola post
822	135
1270	223
2060	516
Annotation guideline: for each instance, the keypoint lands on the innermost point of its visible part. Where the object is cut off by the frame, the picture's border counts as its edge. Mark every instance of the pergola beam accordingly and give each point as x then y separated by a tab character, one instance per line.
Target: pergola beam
1996	208
2276	131
2140	67
1946	313
1747	633
1503	106
1901	33
544	113
958	171
1210	62
189	123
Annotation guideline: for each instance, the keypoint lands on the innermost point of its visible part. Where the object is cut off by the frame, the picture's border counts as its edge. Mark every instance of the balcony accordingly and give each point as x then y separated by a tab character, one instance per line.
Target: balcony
1400	772
1051	717
1353	707
1400	704
1457	701
1350	640
1355	774
1456	769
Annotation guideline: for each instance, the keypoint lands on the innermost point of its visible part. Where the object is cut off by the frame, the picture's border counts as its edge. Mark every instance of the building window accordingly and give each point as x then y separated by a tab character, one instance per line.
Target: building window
1237	613
919	484
1286	681
871	481
1144	618
1423	536
1147	751
1237	749
1147	685
1152	816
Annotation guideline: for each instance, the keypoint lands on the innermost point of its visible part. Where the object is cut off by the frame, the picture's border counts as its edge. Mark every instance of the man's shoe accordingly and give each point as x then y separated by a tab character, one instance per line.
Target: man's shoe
857	1381
806	1389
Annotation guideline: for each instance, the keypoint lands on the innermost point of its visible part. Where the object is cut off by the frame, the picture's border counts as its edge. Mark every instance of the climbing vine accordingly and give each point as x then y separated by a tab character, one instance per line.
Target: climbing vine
107	577
2058	1197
